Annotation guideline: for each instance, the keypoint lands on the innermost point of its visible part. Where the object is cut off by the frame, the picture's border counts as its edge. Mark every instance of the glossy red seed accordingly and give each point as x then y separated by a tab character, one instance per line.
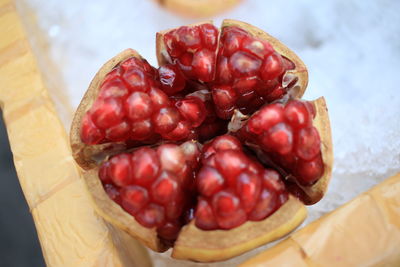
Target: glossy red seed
141	130
225	203
272	67
266	205
246	85
90	134
181	132
244	64
134	198
171	79
136	80
103	172
192	151
171	157
272	180
113	87
203	65
158	98
266	118
257	47
192	109
224	74
209	181
119	132
308	143
248	188
113	193
166	120
230	163
165	188
107	113
172	44
174	208
169	231
232	40
297	114
145	166
234	220
188	37
209	35
225	114
224	96
279	138
308	172
138	106
151	216
204	216
226	142
120	170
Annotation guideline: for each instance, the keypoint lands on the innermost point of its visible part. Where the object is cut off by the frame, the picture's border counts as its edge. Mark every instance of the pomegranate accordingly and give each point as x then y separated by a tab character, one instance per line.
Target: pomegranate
213	145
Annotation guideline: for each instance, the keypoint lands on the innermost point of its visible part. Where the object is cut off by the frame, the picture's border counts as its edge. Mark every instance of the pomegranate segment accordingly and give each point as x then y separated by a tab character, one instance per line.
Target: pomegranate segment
133	105
248	73
233	187
286	133
193	49
153	185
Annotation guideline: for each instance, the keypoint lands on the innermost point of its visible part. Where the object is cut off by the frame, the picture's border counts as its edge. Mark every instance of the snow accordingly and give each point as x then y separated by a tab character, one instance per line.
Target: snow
351	48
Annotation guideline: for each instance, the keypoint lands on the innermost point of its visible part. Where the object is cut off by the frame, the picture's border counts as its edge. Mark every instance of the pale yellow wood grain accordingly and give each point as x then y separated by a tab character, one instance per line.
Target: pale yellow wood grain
69	230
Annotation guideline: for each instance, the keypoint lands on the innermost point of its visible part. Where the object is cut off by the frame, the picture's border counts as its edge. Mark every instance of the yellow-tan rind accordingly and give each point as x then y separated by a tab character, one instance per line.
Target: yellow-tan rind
217	245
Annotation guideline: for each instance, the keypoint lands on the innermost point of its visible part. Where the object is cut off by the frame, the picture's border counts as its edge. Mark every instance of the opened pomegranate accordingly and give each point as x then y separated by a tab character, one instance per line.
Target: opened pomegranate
207	152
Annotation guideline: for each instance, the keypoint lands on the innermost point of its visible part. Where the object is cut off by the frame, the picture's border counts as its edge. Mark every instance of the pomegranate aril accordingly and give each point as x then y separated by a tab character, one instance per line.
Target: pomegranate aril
138	106
230	163
266	205
224	96
204	216
165	188
226	142
113	87
181	131
308	172
231	40
90	133
308	143
103	173
165	120
279	138
244	64
136	80
158	98
120	170
247	85
297	114
113	193
191	150
151	216
172	45
203	65
134	198
106	113
272	180
173	210
192	109
228	211
272	67
248	187
145	166
209	181
171	157
257	47
119	132
188	37
234	220
141	130
224	74
209	35
169	231
265	118
171	79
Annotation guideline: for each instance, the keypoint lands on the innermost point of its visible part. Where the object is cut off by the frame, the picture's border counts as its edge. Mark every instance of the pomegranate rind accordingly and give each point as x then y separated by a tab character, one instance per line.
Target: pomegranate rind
115	215
83	153
300	71
199	8
314	193
217	245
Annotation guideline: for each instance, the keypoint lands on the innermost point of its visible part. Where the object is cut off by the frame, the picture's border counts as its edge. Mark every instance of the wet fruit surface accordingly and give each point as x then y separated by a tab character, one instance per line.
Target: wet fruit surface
181	160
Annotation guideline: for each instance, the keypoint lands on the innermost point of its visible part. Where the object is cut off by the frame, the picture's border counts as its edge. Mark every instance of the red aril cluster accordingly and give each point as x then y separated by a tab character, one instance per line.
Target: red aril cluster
193	49
234	188
286	133
153	185
132	105
249	73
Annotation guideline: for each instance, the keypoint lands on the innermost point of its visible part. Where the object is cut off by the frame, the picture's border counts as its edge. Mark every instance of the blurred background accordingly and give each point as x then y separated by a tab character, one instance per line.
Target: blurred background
351	48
